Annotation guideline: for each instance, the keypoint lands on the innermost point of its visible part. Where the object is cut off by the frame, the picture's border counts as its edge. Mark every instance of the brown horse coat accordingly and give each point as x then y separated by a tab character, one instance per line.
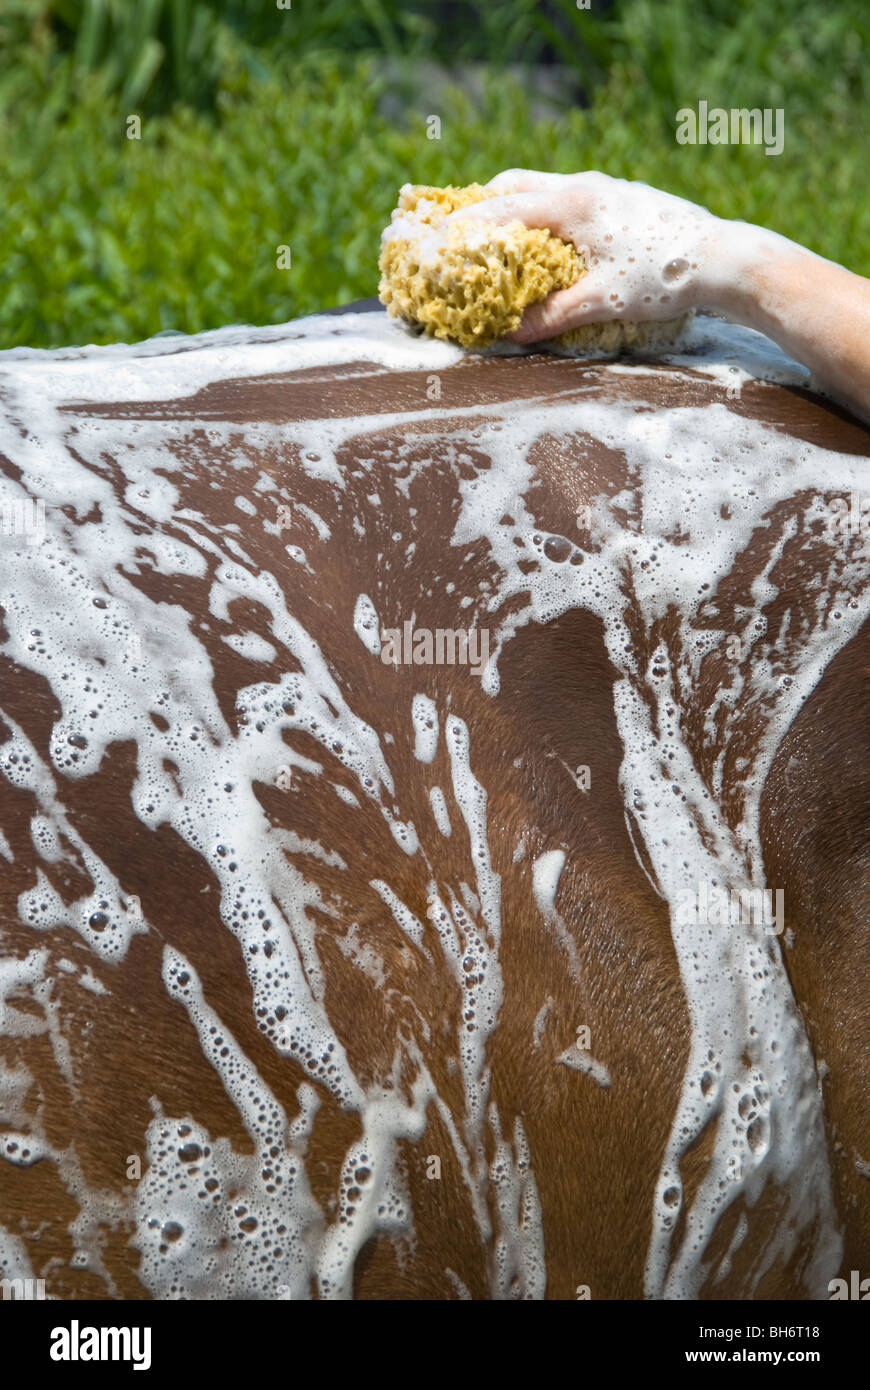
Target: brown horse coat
333	967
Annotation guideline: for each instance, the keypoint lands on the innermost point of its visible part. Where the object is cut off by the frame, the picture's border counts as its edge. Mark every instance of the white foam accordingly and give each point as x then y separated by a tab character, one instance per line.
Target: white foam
671	558
578	1059
251	646
425	718
403	915
365	624
125	669
439	810
540	1023
546	871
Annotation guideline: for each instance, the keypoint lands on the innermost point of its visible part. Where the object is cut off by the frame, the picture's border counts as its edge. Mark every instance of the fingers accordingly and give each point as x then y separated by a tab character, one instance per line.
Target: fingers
523	181
560	213
586	302
563	204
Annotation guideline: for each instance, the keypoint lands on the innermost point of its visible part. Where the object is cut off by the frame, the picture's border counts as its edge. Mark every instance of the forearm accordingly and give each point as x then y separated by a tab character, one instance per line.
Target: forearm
817	311
652	256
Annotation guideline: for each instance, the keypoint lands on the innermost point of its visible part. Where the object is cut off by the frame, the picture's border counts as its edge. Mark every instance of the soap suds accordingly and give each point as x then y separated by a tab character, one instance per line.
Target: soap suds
126	670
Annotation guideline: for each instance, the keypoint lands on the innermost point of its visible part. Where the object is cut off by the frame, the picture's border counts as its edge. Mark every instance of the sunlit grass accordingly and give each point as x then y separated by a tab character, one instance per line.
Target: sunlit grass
106	238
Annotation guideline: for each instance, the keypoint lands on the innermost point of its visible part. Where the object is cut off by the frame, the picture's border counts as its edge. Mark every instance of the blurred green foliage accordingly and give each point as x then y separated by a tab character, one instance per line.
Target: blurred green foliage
156	51
250	141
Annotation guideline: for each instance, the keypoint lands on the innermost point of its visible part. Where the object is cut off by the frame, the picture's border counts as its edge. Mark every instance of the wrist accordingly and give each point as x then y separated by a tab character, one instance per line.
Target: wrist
727	271
747	269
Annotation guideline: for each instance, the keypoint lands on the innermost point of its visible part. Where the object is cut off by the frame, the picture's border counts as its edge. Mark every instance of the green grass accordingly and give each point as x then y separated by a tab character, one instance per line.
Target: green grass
156	51
107	239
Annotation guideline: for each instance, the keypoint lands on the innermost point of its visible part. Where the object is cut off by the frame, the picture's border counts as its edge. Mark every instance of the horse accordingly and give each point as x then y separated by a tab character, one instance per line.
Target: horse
433	820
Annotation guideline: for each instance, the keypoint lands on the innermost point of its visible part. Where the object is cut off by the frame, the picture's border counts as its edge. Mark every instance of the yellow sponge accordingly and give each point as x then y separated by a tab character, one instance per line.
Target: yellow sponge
471	282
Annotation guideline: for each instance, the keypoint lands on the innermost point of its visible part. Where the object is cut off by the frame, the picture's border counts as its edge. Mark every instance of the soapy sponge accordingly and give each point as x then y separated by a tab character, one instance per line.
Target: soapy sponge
471	282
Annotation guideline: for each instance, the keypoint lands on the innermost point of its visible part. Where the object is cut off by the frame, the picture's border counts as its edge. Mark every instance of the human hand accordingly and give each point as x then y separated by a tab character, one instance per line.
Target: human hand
650	255
653	256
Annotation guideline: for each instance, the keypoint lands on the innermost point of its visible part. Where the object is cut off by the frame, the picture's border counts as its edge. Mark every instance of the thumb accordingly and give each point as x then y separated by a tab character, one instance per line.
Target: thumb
535	209
524	181
585	302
